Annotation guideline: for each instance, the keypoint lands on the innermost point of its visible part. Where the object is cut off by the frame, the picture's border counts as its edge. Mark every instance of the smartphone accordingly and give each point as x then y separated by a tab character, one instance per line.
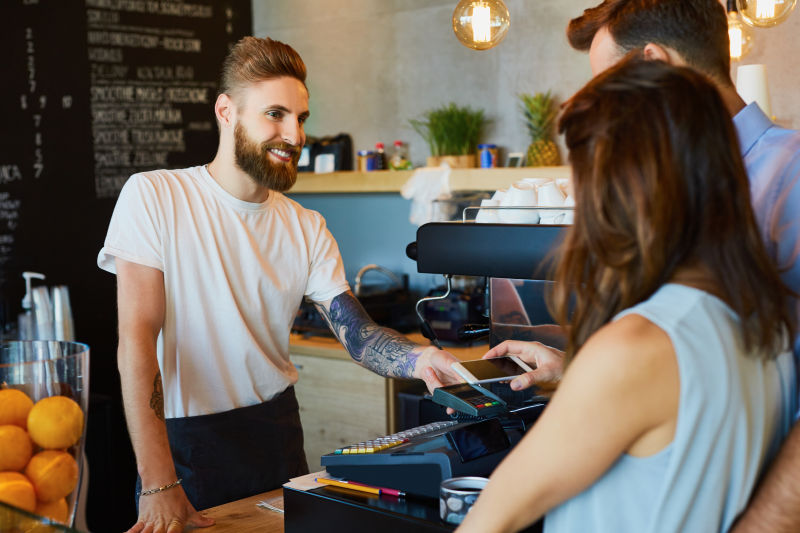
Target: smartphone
494	369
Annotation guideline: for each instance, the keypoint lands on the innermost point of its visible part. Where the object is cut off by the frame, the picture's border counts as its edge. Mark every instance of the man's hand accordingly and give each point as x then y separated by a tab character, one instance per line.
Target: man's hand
433	367
547	362
167	512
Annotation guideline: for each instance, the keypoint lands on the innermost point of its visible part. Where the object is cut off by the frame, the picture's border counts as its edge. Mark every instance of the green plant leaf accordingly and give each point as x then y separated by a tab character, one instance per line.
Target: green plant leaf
451	129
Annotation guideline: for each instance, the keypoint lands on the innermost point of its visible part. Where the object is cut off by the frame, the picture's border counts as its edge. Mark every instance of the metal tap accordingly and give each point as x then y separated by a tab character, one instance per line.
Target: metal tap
427	330
366	268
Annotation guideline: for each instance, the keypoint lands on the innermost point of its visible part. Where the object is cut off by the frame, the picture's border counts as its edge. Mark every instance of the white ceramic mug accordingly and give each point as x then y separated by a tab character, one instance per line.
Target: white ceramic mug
520	194
550	195
487	215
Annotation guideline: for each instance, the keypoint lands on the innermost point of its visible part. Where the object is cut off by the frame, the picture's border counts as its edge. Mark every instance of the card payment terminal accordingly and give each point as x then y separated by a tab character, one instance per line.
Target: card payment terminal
471	399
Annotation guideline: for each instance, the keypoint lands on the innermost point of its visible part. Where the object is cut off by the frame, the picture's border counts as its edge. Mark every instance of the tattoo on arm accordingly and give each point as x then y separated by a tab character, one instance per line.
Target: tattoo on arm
380	349
157	398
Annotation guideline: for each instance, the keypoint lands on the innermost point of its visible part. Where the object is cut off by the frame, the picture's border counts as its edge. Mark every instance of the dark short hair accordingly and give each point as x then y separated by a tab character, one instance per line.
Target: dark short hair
252	60
696	29
660	184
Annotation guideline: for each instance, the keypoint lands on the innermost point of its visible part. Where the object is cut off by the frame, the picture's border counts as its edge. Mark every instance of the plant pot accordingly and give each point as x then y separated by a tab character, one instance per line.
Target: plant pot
460	161
433	161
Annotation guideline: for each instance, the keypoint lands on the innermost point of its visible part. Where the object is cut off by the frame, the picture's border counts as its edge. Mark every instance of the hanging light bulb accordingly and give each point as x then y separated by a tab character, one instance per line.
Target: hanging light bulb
481	24
738	33
765	13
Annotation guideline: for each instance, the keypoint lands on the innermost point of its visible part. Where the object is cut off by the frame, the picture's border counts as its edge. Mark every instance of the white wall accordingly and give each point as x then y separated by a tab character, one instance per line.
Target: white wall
778	48
374	64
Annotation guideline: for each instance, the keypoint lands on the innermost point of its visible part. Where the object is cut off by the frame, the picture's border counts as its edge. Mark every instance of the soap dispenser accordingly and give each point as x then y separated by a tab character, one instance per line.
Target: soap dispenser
27	319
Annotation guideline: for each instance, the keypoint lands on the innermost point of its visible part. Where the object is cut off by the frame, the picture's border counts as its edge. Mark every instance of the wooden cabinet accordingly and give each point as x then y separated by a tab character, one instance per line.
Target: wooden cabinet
341	403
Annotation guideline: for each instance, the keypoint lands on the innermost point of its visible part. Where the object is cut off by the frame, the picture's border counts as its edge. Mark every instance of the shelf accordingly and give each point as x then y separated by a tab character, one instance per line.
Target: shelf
388	181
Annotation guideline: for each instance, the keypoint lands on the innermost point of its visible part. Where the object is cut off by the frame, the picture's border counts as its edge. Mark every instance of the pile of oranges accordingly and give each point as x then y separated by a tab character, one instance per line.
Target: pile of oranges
36	471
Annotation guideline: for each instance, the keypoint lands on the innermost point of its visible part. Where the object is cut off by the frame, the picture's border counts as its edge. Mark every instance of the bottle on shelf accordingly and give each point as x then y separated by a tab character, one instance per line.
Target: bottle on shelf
380	157
399	159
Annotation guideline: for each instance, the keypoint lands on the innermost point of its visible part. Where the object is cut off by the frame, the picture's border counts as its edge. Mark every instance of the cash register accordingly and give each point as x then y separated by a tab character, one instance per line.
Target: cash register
490	418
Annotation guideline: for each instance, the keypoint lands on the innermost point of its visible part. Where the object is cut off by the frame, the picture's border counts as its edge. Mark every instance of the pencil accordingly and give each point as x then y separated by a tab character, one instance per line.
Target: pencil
347	485
384	490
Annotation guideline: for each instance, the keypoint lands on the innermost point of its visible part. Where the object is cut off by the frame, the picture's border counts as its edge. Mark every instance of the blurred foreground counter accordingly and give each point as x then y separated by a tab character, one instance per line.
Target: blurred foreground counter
342	403
326	509
330	509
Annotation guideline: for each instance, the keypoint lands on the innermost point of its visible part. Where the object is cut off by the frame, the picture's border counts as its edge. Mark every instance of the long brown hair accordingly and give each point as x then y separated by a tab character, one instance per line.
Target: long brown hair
659	184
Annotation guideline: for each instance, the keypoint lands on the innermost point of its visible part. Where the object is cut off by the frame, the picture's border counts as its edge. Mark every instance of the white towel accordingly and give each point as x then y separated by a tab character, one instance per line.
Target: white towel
422	188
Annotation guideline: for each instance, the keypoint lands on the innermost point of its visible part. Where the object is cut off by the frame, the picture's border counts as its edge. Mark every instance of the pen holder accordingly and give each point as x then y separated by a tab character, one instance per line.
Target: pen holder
457	495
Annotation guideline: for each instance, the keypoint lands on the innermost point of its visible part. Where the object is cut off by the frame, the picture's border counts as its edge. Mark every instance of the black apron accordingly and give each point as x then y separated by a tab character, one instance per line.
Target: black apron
227	456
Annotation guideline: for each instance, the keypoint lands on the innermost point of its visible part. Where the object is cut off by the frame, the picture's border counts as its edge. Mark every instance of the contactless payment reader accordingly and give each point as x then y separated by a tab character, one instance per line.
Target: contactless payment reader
471	399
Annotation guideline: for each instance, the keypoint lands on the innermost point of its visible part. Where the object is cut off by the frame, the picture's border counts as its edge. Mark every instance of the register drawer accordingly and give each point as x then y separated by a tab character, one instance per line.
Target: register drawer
334	509
354	512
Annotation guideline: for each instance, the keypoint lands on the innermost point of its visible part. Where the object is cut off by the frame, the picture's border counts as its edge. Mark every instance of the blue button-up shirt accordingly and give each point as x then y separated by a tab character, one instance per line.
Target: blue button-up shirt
772	158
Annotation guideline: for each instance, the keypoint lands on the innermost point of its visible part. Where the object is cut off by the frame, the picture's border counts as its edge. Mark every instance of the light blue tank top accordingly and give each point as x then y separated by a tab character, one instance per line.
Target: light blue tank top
734	411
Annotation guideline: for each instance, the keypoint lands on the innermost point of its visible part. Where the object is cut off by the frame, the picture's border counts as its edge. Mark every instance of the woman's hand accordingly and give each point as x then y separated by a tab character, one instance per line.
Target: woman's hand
547	362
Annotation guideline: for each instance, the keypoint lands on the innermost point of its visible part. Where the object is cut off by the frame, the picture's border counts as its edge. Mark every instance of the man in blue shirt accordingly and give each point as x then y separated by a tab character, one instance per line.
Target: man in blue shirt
693	33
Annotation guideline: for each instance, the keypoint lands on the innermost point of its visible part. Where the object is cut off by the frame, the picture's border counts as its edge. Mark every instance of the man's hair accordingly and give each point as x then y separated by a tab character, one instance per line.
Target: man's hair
659	184
252	60
696	29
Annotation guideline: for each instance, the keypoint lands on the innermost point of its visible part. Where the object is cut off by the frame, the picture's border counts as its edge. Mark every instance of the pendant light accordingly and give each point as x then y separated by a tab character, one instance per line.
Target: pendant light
481	24
739	33
765	13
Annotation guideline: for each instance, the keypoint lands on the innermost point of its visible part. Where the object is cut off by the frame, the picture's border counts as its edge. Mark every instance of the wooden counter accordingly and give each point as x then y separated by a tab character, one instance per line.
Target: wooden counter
244	516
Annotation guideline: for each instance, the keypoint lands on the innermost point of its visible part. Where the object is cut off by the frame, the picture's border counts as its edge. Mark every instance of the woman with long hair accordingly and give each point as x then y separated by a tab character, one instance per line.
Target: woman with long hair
679	385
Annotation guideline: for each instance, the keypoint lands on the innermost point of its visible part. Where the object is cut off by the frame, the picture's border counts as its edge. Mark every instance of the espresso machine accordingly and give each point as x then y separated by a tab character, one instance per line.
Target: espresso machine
516	260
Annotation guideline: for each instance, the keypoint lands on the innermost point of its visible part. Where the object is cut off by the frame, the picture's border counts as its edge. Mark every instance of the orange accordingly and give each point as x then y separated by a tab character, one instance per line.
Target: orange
55	422
17	490
14	407
56	510
54	474
16	448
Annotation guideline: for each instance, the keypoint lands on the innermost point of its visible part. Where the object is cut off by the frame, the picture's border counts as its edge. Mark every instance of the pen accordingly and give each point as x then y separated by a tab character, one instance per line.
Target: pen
360	486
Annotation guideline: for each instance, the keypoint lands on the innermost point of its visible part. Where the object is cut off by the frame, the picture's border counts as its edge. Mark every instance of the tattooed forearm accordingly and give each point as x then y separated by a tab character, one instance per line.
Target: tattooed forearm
157	398
382	350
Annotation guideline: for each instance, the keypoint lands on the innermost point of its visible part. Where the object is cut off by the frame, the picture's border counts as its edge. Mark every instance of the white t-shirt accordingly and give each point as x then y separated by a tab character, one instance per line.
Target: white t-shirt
235	273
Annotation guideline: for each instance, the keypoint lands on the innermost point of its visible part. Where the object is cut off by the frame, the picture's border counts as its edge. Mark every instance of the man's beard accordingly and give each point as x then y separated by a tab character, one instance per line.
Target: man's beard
255	161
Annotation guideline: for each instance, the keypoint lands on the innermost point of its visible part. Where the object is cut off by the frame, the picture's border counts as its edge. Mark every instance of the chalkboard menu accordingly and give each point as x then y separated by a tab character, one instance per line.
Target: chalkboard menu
92	92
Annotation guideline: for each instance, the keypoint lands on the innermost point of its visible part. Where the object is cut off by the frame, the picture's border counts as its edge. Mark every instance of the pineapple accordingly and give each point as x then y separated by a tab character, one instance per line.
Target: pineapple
539	116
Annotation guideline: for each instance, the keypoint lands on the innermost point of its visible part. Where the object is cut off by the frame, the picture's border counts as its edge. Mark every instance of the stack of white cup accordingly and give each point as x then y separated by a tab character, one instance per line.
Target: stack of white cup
527	195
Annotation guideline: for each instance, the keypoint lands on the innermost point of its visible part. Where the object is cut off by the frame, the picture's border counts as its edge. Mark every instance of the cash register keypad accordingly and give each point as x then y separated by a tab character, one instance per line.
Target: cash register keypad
395	439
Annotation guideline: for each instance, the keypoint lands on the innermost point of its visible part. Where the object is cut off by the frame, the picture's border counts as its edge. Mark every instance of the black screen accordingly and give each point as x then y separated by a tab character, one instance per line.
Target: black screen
478	440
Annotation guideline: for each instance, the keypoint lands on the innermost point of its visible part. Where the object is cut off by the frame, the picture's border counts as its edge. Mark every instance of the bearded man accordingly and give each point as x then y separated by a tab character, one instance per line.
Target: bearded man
212	262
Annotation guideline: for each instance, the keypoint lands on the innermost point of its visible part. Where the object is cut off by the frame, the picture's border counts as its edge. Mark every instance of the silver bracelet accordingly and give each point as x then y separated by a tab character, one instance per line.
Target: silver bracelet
160	489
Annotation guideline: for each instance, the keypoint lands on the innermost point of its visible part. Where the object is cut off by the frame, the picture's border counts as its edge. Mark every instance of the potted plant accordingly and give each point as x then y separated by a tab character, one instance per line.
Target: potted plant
452	133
